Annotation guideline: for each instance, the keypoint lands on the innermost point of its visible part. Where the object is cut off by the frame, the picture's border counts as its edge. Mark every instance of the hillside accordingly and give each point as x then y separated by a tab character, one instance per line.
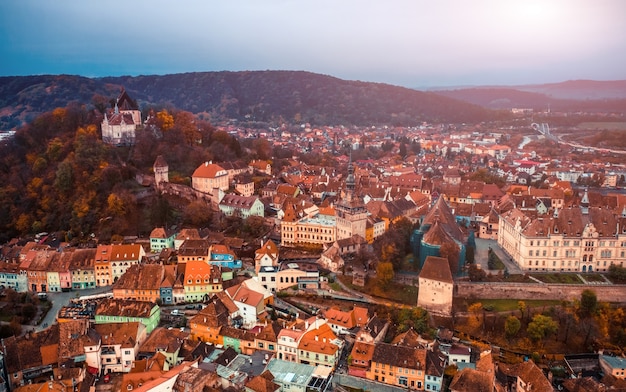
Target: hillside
270	96
580	95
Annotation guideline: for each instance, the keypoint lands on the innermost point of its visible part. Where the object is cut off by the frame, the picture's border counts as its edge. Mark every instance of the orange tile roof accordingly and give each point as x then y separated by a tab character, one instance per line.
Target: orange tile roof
209	170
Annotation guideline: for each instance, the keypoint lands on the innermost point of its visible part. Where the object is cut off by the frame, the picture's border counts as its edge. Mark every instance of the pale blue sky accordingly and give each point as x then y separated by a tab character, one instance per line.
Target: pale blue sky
412	43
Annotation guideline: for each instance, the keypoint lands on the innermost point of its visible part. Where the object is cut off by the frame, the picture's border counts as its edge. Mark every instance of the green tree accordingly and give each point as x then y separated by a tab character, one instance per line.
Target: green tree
64	181
402	150
541	327
512	326
588	303
384	273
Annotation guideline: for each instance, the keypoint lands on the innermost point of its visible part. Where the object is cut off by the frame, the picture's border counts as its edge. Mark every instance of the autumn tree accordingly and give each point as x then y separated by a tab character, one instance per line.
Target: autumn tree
521	305
384	274
416	318
164	120
197	214
541	327
450	251
476	311
185	123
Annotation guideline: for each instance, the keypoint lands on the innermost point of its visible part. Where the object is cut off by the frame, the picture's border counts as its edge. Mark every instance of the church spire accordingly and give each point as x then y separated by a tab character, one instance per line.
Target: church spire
584	203
350	181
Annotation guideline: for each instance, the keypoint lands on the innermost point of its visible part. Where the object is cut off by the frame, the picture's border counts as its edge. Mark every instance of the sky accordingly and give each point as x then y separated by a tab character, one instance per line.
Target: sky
411	43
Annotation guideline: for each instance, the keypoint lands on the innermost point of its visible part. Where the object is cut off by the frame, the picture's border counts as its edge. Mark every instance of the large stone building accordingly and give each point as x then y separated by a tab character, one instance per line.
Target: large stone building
317	229
209	176
574	239
121	122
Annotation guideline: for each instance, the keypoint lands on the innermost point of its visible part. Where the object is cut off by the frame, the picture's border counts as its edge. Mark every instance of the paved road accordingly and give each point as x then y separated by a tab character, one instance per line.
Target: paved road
63	299
481	257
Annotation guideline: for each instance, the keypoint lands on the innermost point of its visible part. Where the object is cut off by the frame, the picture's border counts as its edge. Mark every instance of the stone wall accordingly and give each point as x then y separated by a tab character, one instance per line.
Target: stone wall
528	291
186	192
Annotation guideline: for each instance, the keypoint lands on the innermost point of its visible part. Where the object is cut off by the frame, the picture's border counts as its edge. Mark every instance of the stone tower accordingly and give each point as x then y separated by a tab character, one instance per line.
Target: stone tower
161	171
351	212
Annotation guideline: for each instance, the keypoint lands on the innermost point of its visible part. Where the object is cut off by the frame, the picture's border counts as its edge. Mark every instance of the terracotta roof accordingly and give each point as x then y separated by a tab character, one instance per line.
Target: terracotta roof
160	162
243	294
141	277
470	380
262	383
188	234
236	201
31	350
436	268
160	232
437	235
363	351
319	340
163	339
237	333
529	373
118	118
410	338
270	332
80	258
400	356
209	170
194	247
124	334
70	344
214	315
441	212
126	252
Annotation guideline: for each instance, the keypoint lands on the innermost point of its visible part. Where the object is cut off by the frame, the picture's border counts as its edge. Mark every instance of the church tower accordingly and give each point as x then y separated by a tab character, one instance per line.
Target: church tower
351	212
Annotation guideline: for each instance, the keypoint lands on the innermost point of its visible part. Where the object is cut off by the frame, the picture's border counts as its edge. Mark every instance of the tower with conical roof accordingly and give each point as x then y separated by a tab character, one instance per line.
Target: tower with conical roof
351	212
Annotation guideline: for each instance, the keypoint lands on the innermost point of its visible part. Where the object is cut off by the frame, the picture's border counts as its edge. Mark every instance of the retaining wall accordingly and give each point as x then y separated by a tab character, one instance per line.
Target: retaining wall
528	291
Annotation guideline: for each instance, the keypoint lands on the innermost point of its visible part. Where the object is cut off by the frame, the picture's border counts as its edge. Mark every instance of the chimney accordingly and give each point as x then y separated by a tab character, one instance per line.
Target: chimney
206	163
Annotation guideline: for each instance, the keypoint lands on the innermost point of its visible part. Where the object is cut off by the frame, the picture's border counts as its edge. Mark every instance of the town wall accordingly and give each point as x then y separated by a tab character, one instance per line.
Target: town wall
184	191
529	291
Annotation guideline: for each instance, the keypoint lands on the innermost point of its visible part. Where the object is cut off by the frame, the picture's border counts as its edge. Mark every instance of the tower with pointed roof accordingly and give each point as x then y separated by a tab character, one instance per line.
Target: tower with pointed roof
161	171
351	212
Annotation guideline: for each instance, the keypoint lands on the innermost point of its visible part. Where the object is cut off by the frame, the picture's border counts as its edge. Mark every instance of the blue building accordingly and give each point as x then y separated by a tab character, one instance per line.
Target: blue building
223	256
438	227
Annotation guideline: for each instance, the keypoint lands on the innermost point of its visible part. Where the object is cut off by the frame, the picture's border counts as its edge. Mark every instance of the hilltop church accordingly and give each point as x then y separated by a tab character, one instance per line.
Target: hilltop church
121	121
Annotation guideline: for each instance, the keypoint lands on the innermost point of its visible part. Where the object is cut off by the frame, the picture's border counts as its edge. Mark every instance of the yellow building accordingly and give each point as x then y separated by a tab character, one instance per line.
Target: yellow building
398	365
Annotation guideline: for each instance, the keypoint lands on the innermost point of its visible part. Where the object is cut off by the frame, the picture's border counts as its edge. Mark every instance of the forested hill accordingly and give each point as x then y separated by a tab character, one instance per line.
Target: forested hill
255	95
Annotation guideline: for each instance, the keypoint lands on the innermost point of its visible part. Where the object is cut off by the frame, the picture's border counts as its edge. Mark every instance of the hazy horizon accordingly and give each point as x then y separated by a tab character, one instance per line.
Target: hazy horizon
414	44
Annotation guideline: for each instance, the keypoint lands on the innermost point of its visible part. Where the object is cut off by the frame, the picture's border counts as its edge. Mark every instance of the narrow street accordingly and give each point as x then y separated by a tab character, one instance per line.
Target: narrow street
59	300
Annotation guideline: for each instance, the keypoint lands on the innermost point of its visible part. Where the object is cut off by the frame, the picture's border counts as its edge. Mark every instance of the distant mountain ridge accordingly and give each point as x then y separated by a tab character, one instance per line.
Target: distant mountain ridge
298	96
271	96
591	95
